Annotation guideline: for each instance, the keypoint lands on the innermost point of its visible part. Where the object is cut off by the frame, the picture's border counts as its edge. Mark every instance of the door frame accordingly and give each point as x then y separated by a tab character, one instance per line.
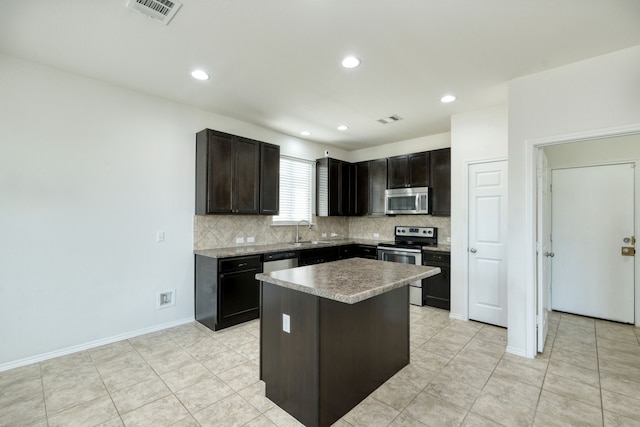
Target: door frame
531	218
465	238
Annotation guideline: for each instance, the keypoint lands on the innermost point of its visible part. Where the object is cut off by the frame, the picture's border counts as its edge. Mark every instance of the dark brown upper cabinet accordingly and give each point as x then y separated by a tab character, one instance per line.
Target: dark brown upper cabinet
377	185
411	170
441	182
370	182
228	172
333	186
269	179
361	179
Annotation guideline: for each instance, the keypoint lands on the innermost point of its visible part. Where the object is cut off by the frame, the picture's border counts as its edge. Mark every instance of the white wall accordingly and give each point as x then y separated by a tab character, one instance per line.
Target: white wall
416	145
476	136
615	149
598	96
89	173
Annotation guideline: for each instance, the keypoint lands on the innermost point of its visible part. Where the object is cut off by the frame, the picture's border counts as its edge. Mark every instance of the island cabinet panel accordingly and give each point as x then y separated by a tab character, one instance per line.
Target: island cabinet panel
287	360
335	354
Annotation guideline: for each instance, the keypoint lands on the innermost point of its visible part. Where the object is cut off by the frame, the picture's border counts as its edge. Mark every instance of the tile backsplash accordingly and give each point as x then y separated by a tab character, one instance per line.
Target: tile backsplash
217	231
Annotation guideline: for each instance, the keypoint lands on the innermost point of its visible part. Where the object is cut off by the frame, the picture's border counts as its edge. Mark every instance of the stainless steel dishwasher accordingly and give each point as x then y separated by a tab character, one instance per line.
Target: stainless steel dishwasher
279	261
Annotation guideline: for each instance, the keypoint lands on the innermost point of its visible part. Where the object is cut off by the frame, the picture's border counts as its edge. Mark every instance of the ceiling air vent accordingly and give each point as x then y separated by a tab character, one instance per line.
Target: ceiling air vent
160	10
390	119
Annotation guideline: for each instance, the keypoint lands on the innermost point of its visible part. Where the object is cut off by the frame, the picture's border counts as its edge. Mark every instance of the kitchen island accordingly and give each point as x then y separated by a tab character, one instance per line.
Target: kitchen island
330	334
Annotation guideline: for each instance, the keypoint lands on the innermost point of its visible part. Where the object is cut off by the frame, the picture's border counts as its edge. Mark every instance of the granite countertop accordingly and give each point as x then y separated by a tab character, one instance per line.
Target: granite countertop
233	251
279	247
438	247
350	280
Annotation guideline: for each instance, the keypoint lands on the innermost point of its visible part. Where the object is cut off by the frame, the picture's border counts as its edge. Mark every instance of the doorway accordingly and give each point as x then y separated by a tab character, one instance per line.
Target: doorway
595	149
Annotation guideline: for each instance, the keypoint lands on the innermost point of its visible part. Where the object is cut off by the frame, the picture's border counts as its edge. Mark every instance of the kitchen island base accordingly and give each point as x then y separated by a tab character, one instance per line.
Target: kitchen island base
335	354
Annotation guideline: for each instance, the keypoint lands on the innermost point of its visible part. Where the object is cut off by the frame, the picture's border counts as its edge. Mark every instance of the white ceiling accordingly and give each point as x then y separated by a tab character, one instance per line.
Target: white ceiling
276	63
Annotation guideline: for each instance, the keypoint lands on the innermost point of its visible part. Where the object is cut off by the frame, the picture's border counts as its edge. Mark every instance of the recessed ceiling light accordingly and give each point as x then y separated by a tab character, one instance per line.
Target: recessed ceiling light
343	127
350	62
199	75
448	98
305	133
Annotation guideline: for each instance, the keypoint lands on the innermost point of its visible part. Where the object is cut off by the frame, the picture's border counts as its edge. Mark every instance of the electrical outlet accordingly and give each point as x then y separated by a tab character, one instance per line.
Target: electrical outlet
324	234
448	239
160	236
334	235
376	235
251	239
167	298
239	240
286	323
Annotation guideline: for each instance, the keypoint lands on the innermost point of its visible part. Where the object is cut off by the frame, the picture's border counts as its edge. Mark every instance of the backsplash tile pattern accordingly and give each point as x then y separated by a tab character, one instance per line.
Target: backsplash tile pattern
219	231
365	227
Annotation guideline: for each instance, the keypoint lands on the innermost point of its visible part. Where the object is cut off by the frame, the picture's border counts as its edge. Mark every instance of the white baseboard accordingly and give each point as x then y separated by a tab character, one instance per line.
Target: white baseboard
92	344
457	317
517	352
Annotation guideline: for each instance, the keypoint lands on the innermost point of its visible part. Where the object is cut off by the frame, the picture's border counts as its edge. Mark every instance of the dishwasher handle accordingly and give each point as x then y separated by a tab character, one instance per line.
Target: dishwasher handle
277	256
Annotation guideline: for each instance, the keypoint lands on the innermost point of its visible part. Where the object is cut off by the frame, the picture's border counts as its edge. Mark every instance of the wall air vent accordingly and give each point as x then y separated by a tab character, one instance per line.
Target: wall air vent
390	119
160	10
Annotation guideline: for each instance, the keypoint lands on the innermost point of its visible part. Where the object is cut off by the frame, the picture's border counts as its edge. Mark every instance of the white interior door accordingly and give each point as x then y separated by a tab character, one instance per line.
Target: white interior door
544	248
487	242
592	223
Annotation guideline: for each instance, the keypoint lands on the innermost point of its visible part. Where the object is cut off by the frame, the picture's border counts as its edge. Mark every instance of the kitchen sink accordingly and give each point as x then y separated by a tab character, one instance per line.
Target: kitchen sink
309	243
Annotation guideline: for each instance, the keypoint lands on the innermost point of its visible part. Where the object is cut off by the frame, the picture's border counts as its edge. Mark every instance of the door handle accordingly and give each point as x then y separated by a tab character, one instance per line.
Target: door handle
549	254
473	250
628	251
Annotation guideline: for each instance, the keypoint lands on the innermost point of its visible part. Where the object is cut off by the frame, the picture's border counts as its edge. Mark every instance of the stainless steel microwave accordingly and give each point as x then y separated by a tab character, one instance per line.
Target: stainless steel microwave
406	201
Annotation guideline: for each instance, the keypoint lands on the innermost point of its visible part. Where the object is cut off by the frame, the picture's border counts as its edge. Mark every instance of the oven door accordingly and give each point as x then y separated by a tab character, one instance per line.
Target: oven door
405	256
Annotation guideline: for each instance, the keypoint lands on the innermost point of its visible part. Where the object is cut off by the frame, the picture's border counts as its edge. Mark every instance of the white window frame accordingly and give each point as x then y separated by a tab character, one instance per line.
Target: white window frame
277	219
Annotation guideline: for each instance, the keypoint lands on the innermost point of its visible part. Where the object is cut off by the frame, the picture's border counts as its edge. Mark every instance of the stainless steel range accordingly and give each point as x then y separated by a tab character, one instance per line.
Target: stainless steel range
407	249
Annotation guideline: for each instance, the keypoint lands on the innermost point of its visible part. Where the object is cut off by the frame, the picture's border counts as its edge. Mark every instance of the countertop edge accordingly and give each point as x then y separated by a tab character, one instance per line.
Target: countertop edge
347	299
236	251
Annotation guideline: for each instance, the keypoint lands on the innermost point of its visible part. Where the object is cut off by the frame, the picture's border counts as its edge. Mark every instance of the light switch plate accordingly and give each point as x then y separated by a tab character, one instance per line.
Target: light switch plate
251	239
239	239
286	323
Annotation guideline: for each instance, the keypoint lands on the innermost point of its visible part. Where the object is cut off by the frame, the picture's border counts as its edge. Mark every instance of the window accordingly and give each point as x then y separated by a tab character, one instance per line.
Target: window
295	191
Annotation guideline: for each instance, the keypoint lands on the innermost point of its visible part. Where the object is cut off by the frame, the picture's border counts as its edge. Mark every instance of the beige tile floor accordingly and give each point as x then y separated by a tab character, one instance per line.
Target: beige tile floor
459	374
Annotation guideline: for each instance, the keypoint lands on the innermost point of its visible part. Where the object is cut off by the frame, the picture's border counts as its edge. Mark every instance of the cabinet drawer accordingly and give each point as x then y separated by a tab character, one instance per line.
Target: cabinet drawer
437	257
370	252
241	263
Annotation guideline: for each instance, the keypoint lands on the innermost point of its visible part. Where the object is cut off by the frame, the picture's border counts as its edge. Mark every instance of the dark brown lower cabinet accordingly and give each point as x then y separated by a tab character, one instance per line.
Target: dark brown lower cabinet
335	355
226	290
436	290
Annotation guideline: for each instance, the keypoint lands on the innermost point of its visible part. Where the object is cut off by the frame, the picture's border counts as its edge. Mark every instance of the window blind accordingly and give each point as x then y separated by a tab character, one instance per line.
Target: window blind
295	190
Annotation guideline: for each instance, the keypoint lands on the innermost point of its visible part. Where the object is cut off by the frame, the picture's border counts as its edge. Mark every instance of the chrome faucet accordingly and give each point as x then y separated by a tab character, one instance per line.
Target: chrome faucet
298	229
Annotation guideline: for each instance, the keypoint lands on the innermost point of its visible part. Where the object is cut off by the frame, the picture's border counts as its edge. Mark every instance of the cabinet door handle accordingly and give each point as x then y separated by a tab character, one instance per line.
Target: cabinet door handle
242	264
473	250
